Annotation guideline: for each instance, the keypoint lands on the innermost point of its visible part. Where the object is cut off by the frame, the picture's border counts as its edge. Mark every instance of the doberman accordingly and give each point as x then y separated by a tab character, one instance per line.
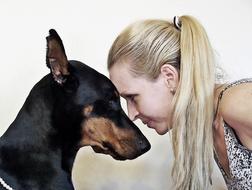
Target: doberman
71	107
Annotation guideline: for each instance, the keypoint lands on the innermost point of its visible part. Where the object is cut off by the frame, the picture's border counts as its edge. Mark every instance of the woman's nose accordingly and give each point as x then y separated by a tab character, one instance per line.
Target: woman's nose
132	112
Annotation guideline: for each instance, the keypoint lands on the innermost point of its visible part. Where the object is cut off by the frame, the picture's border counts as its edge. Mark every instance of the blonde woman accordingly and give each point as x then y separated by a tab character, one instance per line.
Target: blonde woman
166	72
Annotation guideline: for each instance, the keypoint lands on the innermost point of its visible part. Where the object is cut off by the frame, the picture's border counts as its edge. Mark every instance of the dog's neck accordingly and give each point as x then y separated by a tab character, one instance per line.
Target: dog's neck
32	146
32	127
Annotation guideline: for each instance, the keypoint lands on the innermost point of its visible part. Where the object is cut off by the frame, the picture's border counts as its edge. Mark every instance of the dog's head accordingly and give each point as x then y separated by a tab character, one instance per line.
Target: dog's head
90	109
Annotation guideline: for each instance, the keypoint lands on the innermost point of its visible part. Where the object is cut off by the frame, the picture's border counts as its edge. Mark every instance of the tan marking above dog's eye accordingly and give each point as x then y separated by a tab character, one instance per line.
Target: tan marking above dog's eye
87	110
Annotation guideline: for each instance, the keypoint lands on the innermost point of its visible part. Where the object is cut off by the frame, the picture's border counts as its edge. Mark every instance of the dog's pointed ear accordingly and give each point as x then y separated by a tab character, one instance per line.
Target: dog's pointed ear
56	58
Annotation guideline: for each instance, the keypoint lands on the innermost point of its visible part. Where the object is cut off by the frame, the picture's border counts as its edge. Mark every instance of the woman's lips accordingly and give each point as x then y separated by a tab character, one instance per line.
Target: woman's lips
148	123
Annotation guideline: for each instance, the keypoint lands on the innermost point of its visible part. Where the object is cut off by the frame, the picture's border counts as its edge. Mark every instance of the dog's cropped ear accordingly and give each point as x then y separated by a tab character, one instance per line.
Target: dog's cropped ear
56	58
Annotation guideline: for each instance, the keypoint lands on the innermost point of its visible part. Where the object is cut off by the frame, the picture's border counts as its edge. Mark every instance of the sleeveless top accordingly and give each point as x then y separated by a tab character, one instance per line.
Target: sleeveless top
239	157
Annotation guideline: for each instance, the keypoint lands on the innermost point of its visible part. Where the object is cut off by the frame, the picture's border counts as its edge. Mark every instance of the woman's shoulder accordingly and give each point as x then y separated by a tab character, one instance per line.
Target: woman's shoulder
235	107
236	99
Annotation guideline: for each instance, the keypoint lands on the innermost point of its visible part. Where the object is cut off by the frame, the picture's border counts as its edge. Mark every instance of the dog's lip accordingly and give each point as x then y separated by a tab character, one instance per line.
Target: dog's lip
108	151
100	149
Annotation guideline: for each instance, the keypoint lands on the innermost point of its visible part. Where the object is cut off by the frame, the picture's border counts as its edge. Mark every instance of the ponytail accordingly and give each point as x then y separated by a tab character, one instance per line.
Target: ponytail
193	109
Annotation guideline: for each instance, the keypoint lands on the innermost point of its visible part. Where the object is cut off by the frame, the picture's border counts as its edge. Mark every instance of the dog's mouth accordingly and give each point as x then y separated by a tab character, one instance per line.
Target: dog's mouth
107	148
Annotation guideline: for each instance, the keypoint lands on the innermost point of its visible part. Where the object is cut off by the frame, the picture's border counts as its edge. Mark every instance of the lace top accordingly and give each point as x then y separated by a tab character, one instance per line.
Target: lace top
239	157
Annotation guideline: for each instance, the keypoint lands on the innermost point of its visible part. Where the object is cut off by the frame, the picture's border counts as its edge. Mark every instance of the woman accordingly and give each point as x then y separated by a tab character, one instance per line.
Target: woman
166	72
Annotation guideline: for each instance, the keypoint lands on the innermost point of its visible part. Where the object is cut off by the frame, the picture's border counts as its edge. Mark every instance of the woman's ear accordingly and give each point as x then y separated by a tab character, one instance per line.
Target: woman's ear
170	75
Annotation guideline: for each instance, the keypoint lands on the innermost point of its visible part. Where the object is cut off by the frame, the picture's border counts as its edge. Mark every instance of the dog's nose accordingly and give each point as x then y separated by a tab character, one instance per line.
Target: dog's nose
144	146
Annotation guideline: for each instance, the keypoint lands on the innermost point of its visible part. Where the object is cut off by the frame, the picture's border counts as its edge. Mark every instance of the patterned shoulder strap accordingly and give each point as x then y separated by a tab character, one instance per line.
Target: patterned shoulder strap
246	80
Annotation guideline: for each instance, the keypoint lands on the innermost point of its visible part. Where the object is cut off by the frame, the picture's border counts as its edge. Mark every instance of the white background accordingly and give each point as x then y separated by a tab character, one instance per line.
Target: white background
88	28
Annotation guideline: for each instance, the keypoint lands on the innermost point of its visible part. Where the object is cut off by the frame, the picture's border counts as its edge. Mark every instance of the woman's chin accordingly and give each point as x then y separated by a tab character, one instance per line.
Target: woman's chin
160	127
161	130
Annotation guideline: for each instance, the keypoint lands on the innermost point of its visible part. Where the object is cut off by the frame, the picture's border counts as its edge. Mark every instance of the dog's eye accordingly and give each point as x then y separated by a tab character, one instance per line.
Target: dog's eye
113	105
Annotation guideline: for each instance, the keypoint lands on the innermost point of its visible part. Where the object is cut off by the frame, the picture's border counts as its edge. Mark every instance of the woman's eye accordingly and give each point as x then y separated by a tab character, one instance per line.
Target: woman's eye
131	98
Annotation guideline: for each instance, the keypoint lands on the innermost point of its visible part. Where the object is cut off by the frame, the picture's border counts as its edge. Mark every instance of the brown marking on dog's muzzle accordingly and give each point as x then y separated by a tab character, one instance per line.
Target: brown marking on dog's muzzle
107	138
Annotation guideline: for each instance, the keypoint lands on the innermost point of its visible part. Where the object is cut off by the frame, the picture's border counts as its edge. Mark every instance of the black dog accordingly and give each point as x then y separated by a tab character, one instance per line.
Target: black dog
72	107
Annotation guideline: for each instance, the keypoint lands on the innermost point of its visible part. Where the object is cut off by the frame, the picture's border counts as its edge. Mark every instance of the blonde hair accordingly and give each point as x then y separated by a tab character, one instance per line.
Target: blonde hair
151	43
